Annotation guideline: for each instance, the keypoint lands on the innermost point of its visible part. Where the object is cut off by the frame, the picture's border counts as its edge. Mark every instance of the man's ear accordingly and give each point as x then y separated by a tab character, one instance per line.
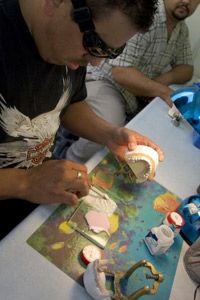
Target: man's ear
49	6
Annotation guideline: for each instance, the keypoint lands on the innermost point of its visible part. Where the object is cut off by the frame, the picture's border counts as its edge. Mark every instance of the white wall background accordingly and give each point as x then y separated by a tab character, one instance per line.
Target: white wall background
194	26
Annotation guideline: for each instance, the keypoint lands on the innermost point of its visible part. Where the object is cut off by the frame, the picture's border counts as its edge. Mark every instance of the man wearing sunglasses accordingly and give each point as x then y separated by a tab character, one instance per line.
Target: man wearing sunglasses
44	48
150	64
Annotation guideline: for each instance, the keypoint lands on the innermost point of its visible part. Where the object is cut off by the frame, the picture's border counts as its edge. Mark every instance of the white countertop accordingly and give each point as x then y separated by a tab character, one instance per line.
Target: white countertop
26	275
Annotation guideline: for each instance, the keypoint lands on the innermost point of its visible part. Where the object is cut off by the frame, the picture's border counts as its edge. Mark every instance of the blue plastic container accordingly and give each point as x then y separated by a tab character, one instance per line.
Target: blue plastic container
196	139
190	211
187	101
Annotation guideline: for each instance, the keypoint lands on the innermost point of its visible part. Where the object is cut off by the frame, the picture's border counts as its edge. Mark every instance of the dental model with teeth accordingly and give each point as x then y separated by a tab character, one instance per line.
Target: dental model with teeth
94	280
143	162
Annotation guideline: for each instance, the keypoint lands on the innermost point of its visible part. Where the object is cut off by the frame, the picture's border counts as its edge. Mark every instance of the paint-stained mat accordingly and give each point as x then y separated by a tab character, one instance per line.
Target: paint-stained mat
139	208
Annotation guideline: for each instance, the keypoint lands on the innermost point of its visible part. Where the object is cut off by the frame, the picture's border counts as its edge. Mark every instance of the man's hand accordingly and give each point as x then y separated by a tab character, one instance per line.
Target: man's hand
56	181
123	139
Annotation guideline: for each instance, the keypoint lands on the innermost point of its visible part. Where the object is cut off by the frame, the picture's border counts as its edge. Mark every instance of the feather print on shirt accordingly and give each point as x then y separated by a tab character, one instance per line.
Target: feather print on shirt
35	136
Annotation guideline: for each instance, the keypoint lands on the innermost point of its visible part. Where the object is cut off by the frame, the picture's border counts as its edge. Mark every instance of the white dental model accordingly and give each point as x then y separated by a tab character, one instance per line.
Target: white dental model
94	280
143	162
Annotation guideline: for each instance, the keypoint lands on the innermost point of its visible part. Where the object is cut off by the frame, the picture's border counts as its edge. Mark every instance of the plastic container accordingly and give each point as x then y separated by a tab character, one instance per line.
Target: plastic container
190	211
196	139
90	253
159	239
187	101
175	221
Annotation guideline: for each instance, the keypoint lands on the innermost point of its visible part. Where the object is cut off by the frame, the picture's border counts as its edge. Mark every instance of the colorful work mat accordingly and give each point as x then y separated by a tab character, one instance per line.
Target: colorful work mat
140	207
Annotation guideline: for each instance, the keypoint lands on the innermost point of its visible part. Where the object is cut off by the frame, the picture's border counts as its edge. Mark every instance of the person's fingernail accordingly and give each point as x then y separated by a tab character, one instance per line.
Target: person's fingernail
131	146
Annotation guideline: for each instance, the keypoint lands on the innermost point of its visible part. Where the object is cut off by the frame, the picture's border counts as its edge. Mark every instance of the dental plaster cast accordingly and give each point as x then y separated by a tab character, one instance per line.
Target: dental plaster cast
97	221
143	162
94	280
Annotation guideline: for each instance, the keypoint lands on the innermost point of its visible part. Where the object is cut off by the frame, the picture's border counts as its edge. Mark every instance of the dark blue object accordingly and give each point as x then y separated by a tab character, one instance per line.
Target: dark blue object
190	211
64	139
187	101
196	139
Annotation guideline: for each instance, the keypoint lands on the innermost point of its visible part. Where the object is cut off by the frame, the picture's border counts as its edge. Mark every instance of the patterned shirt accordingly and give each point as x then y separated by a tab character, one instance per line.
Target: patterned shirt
151	53
33	93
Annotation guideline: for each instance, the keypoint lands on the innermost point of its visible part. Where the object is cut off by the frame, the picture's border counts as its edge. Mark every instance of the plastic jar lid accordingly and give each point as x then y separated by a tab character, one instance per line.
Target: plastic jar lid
176	219
90	253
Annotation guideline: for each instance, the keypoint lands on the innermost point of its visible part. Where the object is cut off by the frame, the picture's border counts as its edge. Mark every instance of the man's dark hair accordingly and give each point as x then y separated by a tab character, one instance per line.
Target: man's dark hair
140	12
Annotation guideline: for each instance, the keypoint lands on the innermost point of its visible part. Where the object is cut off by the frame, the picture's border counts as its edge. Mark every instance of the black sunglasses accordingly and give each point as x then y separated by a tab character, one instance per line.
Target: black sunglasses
91	40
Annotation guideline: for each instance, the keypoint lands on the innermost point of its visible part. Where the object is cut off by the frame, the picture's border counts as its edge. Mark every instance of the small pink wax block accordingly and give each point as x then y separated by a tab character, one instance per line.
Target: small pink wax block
97	221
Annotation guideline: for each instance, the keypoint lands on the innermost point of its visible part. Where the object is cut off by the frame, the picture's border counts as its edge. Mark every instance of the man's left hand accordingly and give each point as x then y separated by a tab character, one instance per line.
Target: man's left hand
124	139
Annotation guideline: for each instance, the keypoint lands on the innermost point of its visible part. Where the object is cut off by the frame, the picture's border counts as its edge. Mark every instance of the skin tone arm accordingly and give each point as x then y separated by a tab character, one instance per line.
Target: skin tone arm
140	85
179	74
117	139
56	181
